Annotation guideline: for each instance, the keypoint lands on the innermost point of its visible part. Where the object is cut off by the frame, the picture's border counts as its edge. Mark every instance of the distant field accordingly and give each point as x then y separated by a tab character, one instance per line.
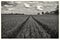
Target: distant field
29	26
51	20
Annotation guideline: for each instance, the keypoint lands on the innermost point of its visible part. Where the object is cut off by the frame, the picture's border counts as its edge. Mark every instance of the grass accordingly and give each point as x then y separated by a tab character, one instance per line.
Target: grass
15	24
49	23
51	20
11	21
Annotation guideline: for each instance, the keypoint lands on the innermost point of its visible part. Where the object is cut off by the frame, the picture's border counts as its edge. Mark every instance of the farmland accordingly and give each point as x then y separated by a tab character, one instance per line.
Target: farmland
49	23
11	21
29	26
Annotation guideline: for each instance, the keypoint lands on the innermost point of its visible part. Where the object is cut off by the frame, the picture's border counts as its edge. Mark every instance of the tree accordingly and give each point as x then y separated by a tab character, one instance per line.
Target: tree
47	12
57	10
38	13
42	12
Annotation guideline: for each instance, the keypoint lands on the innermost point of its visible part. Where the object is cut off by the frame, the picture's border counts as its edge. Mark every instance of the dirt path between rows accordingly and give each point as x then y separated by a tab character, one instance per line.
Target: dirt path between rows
31	28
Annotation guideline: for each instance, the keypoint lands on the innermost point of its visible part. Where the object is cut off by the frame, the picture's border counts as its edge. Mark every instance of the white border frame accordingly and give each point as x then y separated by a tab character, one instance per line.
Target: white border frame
29	39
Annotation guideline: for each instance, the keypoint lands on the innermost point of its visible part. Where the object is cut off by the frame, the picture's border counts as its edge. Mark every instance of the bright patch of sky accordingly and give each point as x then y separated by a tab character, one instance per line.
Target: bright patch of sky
27	5
40	7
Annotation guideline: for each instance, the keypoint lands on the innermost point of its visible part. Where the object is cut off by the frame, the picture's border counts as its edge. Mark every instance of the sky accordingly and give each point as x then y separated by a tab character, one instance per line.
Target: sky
29	7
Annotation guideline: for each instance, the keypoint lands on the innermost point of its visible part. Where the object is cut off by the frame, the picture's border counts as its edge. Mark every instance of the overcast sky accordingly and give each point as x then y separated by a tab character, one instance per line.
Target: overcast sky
29	7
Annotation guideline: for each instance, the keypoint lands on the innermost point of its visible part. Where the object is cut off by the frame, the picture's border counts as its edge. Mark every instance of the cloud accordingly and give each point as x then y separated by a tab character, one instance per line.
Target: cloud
18	2
32	6
8	6
40	7
27	5
11	9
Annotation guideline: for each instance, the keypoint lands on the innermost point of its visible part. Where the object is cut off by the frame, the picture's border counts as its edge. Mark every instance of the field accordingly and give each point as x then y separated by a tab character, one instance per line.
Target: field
29	26
49	23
